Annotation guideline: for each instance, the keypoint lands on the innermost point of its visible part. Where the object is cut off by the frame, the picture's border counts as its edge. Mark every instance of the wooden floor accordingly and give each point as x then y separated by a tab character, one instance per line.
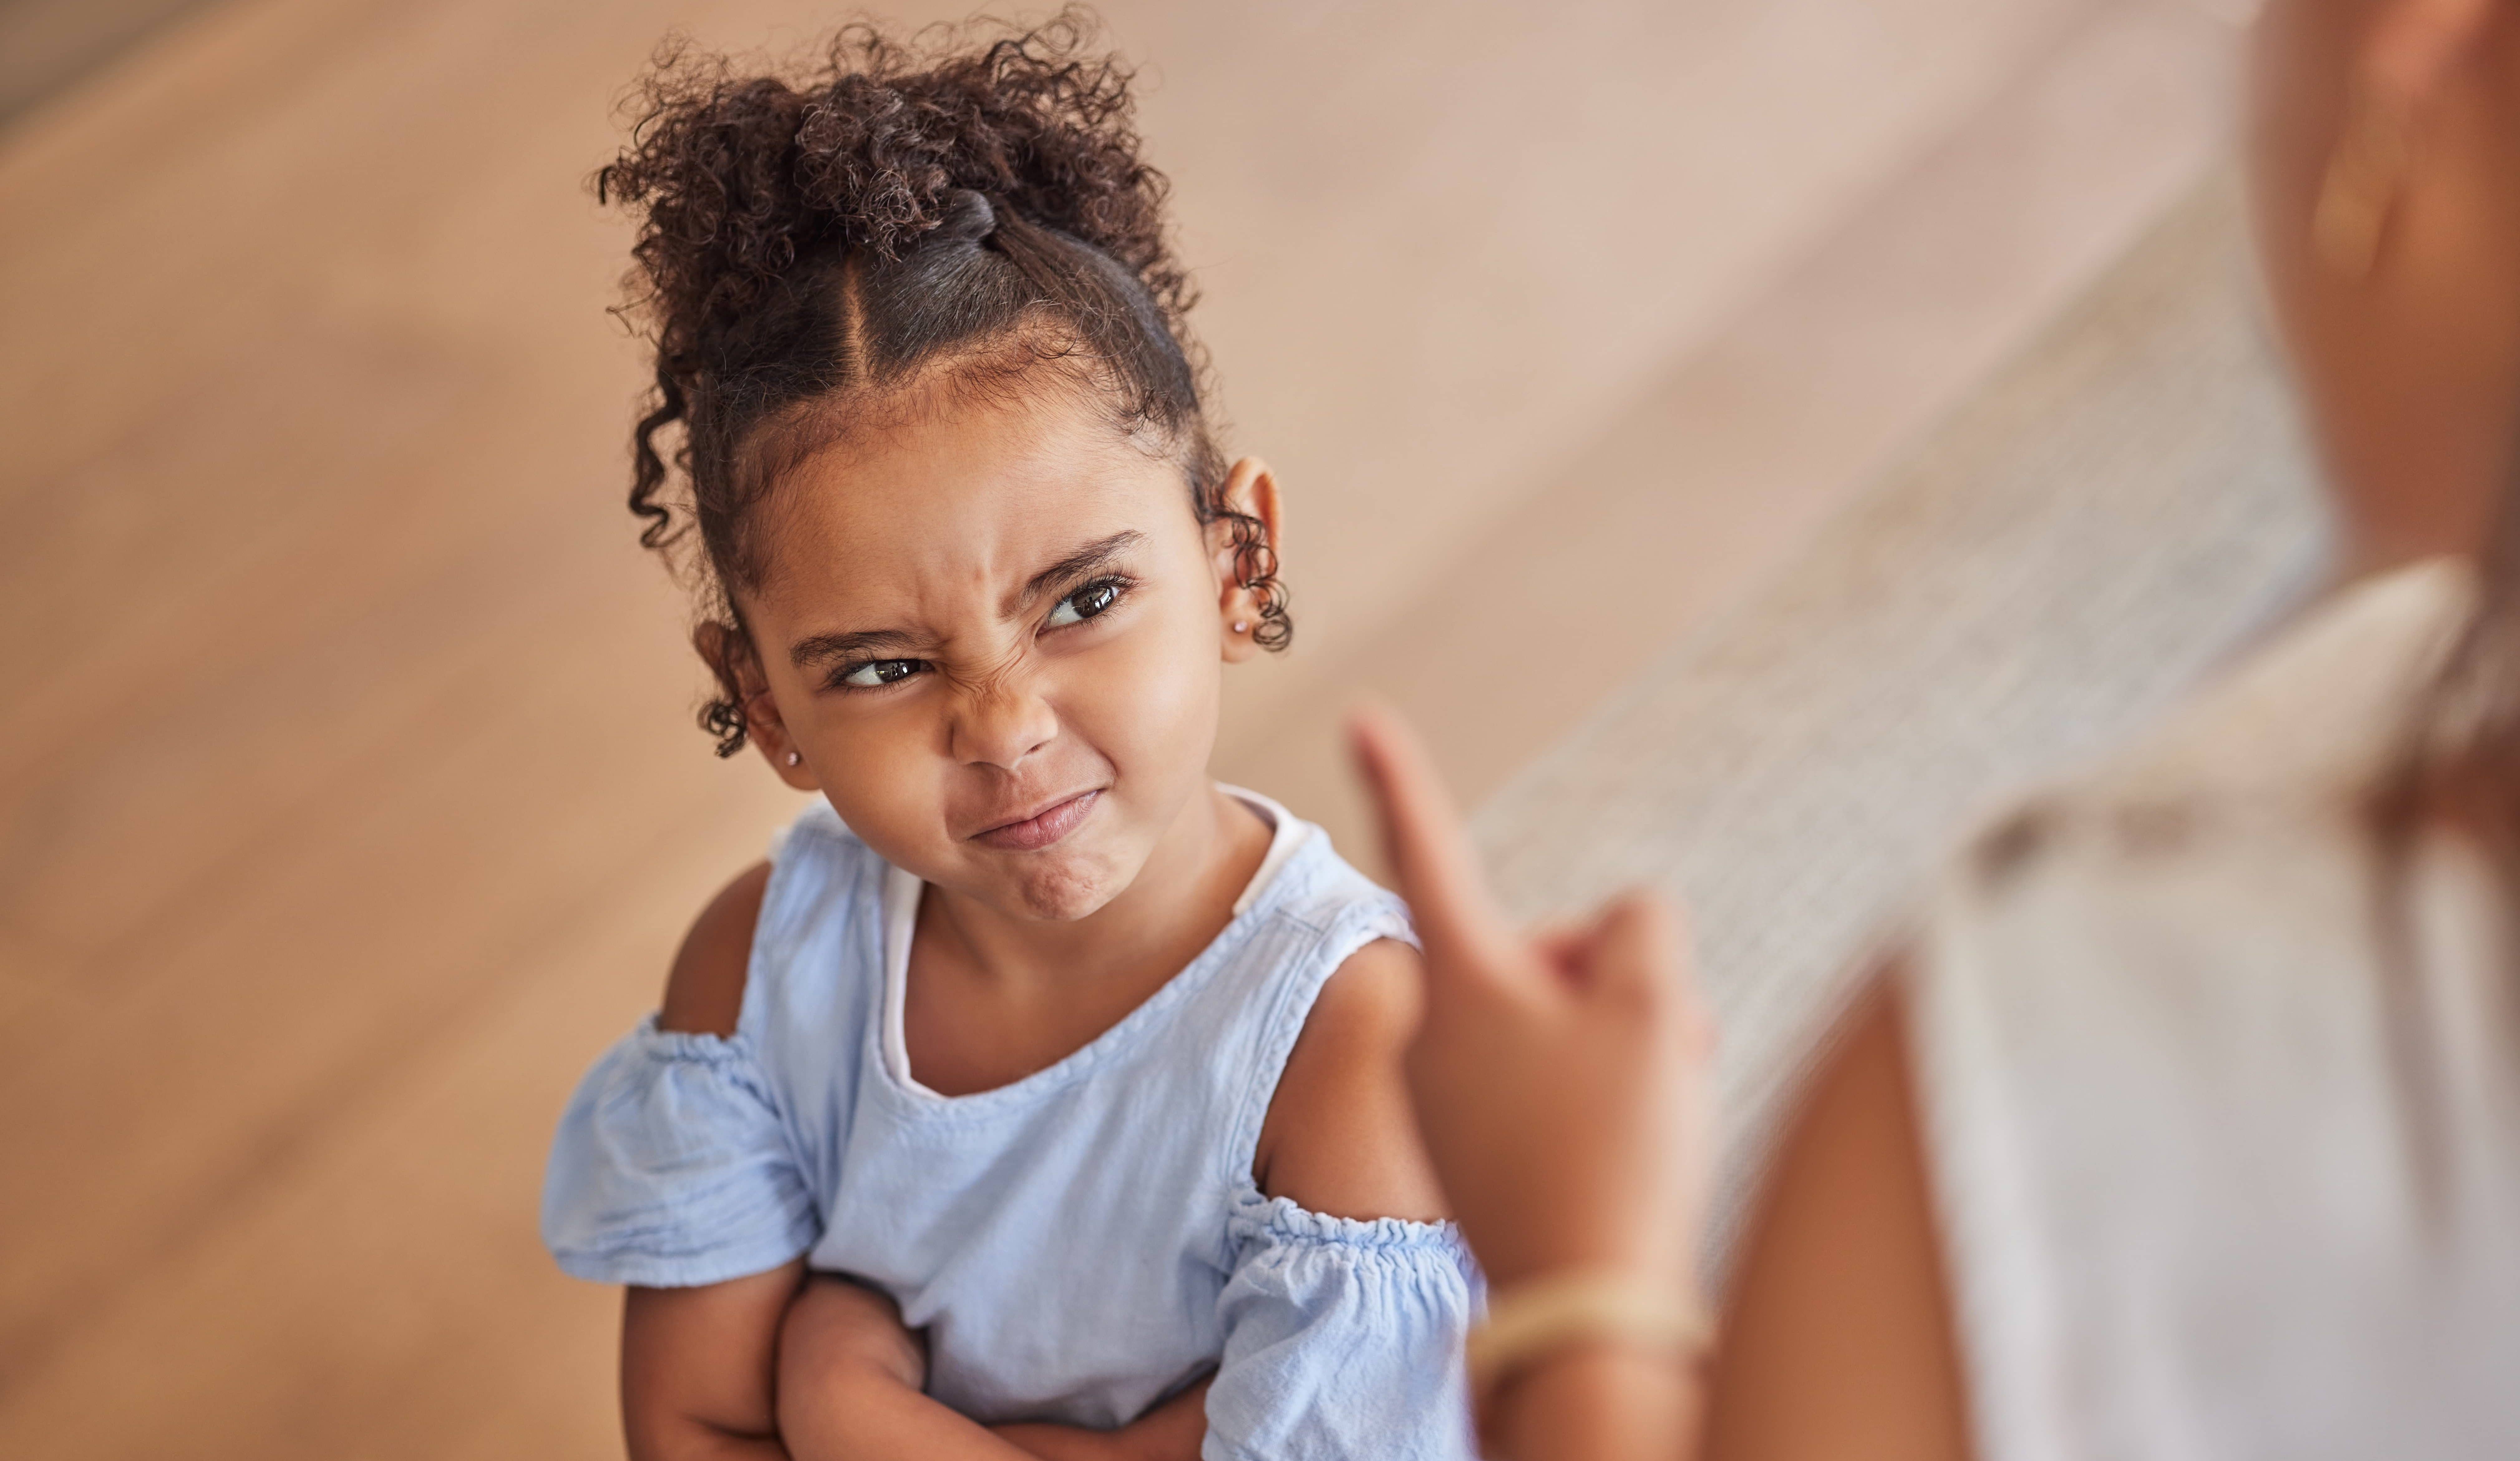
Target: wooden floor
348	799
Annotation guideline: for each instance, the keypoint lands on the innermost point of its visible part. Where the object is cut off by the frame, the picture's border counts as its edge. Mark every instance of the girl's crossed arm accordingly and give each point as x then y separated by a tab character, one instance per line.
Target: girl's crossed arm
762	1369
785	1364
849	1386
697	1366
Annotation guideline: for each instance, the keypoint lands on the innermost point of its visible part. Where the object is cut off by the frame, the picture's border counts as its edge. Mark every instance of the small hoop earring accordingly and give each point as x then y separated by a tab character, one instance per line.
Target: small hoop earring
794	759
2359	185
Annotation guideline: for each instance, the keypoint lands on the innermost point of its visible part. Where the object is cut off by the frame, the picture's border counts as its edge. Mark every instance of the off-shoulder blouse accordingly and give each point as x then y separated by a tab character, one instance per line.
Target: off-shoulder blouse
1076	1245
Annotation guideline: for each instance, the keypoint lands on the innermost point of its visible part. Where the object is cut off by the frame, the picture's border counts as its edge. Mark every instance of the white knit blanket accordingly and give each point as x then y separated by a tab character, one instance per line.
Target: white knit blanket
2115	511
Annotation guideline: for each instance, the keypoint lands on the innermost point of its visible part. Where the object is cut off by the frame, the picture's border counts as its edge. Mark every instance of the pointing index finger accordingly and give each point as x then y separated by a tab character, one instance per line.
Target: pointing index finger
1429	848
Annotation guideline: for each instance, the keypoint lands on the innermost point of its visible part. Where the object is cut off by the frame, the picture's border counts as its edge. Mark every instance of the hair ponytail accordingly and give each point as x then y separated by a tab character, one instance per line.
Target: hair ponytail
970	204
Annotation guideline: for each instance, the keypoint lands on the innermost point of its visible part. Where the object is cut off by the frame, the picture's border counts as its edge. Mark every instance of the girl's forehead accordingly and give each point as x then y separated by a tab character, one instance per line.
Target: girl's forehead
967	499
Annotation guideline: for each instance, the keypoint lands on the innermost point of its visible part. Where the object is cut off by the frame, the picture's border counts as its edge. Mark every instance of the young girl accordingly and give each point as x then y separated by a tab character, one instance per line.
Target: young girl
1040	1096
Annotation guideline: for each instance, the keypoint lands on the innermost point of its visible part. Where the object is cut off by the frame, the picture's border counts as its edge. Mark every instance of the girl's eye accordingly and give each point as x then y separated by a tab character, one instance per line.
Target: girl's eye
1086	602
875	674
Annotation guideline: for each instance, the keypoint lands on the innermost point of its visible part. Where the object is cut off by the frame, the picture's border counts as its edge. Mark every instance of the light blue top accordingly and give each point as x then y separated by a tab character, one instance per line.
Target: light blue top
1077	1245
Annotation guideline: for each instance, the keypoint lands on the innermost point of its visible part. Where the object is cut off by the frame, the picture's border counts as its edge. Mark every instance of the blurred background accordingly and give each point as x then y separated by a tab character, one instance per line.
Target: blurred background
1613	352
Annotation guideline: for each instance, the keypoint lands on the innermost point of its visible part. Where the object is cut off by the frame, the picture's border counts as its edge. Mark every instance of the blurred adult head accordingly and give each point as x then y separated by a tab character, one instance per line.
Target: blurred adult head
2386	162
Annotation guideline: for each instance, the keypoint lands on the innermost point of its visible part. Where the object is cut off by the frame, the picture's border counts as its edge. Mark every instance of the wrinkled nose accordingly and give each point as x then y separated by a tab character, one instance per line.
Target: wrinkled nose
1001	722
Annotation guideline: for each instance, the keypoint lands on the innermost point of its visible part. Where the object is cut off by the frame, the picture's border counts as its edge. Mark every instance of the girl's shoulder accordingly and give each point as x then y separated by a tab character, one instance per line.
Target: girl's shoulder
1307	911
1327	990
1307	885
819	866
704	989
697	1148
814	891
1338	1138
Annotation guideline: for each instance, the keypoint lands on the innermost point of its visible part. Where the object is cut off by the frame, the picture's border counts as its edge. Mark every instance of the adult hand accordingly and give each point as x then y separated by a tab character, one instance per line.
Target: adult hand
1560	1080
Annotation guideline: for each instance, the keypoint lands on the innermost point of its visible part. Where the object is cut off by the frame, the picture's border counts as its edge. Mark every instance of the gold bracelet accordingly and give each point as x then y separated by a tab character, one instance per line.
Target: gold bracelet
1538	1317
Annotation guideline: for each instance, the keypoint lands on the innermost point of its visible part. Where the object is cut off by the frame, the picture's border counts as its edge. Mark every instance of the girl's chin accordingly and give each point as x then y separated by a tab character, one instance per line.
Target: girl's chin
1061	889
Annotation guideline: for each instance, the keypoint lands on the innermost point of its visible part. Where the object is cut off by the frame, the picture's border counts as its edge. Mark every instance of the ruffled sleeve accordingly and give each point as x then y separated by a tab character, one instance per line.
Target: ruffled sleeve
1342	1339
672	1168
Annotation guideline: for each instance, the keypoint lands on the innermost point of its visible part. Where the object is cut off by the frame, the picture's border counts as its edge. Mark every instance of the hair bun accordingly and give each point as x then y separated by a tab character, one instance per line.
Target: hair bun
968	219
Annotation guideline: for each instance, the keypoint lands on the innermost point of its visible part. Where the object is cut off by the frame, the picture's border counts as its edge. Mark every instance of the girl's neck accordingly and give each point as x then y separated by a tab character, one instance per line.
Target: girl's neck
1178	903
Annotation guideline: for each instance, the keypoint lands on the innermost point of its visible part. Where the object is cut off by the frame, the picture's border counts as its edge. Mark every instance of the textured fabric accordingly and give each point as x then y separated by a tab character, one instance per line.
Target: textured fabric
1077	1244
671	1169
2077	545
2198	1204
1315	1311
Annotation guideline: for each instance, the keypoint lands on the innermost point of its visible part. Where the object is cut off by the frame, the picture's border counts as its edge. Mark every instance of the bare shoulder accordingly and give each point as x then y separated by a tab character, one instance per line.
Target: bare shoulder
1842	1290
1340	1137
704	994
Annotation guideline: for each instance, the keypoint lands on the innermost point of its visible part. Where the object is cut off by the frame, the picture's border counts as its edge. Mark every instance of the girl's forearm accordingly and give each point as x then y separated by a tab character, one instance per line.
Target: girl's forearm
703	1443
864	1414
1049	1443
870	1416
1172	1431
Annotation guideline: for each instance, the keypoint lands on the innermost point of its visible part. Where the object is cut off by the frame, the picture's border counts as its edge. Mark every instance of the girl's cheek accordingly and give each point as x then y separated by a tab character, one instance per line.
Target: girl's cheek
1151	702
892	791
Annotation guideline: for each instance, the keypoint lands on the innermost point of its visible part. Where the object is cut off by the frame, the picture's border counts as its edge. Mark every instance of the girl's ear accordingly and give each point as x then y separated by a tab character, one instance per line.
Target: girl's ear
728	651
1250	489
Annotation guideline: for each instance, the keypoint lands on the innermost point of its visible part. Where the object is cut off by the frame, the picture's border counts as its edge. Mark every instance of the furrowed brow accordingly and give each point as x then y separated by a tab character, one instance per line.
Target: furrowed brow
1095	555
824	648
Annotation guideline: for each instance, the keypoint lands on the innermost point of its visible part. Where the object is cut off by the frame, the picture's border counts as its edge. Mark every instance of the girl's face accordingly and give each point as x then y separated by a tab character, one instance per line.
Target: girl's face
993	634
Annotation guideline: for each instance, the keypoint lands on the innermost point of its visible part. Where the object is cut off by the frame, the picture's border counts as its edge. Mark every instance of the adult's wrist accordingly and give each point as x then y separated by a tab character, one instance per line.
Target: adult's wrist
1535	1322
1594	1401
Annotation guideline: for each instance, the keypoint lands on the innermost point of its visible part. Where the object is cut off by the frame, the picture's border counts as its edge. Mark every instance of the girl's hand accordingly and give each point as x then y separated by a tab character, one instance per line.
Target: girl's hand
835	1322
849	1378
840	1343
1172	1431
1560	1078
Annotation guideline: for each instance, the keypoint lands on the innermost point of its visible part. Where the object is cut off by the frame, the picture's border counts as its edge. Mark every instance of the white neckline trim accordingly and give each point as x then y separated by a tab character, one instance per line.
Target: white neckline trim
1286	833
902	892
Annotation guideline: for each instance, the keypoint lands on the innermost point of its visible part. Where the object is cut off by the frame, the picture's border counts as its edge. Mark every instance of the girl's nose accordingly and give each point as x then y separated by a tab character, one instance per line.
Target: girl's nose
1001	722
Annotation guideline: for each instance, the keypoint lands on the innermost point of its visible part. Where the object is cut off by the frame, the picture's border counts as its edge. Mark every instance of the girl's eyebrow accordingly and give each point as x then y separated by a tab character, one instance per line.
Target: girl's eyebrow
829	646
1084	560
821	647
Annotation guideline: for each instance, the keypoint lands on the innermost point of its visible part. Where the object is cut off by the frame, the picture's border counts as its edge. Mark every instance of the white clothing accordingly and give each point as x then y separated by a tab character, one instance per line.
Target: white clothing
2188	1206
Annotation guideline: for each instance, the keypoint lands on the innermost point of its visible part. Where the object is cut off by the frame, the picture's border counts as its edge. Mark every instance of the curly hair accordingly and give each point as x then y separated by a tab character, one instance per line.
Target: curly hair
969	204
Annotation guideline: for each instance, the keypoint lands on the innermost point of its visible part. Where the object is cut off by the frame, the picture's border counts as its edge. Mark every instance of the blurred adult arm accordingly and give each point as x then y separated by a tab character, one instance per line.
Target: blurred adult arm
1561	1088
1559	1082
1837	1338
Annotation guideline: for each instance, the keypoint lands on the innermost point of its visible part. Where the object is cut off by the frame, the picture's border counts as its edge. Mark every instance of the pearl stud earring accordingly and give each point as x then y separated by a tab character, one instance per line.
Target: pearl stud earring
793	759
1241	625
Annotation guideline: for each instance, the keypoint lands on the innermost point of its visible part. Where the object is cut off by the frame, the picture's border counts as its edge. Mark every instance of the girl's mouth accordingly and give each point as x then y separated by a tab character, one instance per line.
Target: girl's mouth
1042	827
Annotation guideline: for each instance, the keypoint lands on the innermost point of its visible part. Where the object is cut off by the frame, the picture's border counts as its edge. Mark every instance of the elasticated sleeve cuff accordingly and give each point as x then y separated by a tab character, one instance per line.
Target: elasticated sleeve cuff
1343	1340
671	1169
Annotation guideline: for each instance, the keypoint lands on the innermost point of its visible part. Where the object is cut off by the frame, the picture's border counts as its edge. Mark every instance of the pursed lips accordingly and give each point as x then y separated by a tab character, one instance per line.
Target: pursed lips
1035	830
